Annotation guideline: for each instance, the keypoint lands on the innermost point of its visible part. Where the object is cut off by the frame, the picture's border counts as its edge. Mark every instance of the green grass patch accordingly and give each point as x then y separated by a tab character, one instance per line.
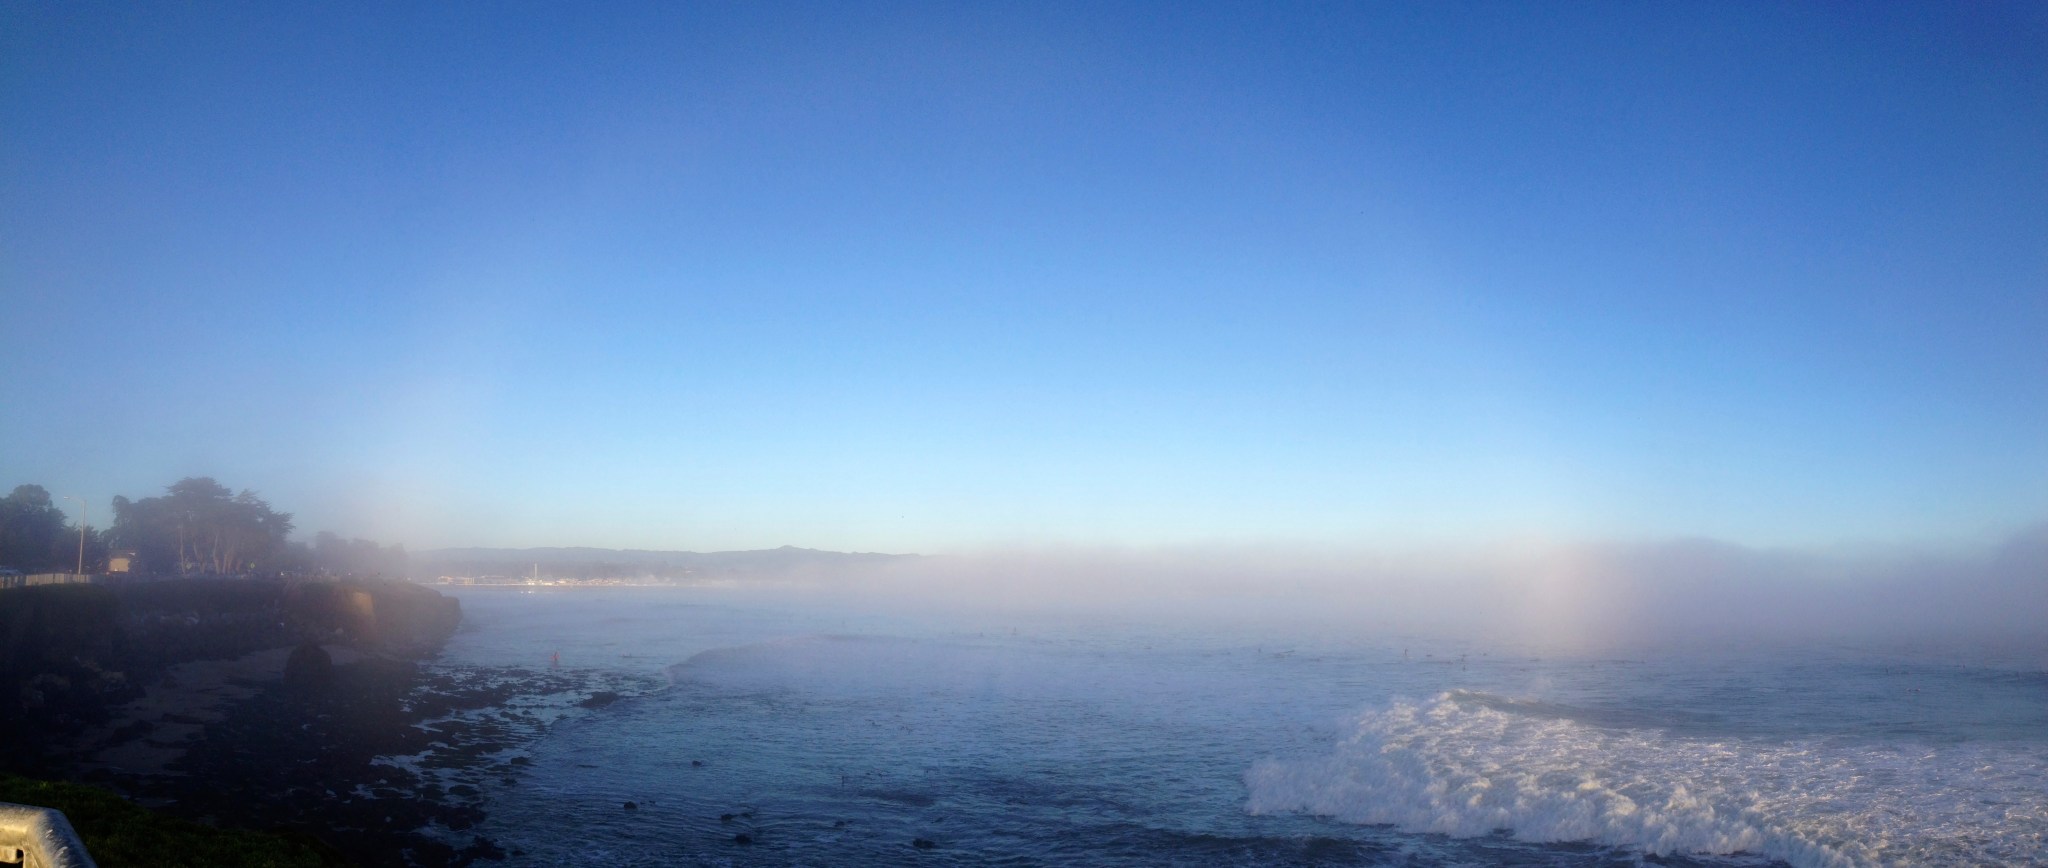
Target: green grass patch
120	834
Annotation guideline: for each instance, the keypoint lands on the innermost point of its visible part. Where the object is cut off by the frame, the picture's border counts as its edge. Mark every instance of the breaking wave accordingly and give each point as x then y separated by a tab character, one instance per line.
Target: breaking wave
1468	764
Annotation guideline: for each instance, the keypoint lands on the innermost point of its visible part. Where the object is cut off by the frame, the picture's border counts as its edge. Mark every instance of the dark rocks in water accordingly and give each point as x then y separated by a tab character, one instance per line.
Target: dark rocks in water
632	806
483	848
299	759
725	818
600	699
838	824
309	666
697	764
743	838
923	843
306	759
133	731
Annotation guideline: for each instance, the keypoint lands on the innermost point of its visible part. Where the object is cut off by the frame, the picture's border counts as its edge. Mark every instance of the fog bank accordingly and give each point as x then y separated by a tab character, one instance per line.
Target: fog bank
1559	596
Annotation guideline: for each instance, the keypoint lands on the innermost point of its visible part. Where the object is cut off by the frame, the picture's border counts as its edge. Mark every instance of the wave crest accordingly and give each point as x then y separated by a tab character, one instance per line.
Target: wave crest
1467	765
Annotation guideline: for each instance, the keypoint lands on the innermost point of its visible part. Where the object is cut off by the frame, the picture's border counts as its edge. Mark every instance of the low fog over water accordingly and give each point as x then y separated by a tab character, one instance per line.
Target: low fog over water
1535	705
1691	593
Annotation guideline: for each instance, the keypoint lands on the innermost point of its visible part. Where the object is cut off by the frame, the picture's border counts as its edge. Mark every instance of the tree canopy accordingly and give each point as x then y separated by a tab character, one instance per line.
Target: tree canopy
33	533
197	526
200	526
356	557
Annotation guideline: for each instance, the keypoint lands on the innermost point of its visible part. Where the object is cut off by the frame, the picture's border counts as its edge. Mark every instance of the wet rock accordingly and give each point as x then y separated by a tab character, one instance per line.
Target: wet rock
133	731
309	666
743	838
923	843
483	848
697	763
600	699
725	818
632	806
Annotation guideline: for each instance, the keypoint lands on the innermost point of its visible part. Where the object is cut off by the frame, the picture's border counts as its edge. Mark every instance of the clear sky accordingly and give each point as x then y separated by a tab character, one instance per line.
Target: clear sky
930	277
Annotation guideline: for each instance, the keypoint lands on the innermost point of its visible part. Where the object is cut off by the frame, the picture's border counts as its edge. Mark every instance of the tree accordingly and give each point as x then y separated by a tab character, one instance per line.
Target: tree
200	526
335	556
33	532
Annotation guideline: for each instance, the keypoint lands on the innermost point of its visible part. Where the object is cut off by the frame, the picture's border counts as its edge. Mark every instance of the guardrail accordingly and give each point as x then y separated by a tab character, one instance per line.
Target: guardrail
32	579
35	837
16	580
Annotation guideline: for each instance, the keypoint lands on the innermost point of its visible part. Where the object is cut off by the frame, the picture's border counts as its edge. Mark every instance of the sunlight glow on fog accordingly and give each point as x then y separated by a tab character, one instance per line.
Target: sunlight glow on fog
1558	596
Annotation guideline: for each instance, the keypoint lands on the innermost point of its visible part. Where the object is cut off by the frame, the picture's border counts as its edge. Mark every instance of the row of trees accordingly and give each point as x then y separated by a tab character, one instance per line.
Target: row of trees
197	526
333	555
36	538
200	526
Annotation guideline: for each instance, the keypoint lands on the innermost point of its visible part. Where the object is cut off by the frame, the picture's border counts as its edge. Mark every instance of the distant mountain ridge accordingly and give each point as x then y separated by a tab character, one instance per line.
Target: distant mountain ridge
591	563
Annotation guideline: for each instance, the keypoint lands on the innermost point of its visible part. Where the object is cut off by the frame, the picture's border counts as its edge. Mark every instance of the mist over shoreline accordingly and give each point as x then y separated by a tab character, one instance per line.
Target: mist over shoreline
1558	596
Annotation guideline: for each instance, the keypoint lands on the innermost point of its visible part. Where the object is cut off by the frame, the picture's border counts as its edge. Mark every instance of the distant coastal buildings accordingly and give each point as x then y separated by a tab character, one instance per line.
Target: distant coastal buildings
520	582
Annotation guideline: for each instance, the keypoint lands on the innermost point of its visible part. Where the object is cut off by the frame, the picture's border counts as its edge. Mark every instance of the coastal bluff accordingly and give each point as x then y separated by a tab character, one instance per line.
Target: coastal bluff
70	653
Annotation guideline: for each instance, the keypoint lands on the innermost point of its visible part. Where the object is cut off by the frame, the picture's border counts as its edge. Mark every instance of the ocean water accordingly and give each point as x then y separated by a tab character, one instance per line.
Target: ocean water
757	729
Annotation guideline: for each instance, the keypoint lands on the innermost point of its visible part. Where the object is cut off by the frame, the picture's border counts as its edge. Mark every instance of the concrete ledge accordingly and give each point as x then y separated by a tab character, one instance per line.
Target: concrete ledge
39	838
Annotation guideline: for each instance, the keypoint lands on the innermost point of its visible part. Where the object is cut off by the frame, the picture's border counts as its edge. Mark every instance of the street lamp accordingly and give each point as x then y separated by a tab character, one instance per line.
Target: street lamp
83	513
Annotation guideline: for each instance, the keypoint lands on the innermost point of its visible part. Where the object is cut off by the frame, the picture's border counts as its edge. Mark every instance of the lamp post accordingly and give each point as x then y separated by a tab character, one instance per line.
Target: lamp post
83	513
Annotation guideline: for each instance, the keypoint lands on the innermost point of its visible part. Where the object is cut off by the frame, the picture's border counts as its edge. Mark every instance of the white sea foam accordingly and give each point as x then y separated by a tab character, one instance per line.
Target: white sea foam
1468	765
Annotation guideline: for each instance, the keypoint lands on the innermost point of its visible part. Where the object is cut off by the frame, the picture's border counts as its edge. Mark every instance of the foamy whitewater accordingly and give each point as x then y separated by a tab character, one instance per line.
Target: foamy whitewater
825	737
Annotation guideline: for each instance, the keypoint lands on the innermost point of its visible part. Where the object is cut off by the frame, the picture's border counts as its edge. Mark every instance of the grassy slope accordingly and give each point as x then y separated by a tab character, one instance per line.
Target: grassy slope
120	834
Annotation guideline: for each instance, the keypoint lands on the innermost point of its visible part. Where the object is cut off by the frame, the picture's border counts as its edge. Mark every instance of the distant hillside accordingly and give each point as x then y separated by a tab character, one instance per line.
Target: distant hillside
592	563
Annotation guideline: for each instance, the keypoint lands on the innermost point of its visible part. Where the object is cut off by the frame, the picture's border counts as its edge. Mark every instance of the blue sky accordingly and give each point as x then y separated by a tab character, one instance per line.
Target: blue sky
931	277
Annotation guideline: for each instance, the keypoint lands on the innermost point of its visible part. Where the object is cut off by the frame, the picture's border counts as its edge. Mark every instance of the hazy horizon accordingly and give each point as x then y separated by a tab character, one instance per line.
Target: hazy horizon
1549	596
1333	433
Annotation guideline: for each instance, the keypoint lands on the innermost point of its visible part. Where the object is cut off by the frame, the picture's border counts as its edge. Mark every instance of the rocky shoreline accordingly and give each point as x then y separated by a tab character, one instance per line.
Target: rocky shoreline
386	763
368	748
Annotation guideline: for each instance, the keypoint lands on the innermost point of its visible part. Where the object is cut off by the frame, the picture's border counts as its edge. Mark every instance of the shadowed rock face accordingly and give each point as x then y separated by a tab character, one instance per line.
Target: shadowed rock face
310	666
68	652
393	616
63	657
50	624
